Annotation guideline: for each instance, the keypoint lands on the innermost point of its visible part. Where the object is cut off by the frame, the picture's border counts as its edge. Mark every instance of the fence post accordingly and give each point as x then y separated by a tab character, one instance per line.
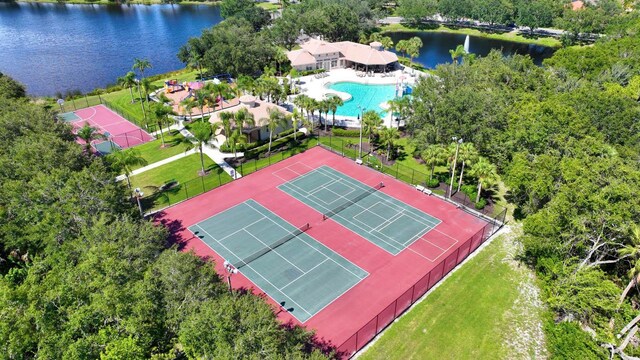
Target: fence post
86	99
397	169
202	181
269	157
100	98
74	104
220	179
241	169
186	192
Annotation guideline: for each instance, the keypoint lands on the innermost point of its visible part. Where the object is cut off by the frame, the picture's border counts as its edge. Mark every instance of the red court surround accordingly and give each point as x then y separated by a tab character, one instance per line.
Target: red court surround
390	277
123	132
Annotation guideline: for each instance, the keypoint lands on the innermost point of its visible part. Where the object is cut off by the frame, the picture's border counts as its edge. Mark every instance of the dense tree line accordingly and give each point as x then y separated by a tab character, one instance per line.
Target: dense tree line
566	139
528	13
82	276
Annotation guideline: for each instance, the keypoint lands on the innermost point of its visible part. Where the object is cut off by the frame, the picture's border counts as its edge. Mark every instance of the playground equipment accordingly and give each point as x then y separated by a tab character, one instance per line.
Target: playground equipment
171	86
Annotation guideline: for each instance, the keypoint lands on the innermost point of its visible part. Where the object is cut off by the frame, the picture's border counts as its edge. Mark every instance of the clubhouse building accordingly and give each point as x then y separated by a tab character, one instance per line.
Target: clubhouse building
318	54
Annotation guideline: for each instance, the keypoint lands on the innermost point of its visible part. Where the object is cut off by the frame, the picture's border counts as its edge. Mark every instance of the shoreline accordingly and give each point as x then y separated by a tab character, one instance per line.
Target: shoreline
507	36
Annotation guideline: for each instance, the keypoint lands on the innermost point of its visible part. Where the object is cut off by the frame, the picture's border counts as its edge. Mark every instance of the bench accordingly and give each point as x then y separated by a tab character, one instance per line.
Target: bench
359	161
423	189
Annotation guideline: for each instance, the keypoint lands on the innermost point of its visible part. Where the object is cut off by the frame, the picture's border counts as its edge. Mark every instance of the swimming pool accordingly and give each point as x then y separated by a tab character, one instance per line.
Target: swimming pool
369	97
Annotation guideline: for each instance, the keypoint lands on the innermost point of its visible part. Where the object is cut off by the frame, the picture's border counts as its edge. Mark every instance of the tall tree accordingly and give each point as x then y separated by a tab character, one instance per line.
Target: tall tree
201	135
161	114
388	137
467	155
128	81
631	251
88	134
276	119
125	160
141	65
432	157
372	122
485	172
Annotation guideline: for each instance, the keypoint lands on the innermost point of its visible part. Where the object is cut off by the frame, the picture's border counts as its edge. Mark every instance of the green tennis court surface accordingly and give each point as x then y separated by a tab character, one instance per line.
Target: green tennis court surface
379	218
290	266
106	147
68	116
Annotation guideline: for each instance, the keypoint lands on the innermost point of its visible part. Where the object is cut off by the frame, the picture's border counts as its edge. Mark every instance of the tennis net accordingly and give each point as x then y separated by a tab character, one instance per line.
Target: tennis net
271	247
351	202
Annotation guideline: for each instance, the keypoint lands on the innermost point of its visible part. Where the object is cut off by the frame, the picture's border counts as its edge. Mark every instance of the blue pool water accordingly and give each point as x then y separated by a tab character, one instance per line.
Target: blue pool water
369	97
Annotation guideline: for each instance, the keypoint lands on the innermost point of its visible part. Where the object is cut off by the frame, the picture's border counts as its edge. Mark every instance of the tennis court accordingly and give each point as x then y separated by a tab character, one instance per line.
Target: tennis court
294	269
120	133
370	213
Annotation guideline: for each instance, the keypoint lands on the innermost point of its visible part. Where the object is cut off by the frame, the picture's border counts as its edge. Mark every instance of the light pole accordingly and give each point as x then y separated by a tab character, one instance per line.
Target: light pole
61	102
138	195
361	120
455	159
230	271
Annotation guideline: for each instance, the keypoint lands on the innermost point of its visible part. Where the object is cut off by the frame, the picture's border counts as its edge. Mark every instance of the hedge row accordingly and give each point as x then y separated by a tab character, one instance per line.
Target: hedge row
345	133
255	152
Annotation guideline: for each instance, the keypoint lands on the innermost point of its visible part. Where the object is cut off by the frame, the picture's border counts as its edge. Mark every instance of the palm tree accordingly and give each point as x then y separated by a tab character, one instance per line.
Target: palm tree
485	172
432	156
296	117
324	106
145	84
413	48
276	118
402	47
388	138
201	99
234	139
141	65
125	160
312	106
372	122
457	53
220	89
128	81
632	251
161	113
466	154
243	118
201	135
334	104
88	133
188	104
225	118
245	84
301	101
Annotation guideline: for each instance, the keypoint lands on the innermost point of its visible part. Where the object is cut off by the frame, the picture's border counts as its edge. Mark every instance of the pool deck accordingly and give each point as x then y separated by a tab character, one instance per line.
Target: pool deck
318	88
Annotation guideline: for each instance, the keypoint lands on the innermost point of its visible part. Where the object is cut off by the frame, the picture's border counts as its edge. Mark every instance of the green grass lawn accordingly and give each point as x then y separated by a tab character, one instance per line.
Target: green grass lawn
153	151
185	172
470	316
269	6
544	41
256	164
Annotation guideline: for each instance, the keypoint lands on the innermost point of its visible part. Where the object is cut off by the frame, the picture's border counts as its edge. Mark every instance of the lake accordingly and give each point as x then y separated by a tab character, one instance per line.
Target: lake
61	47
436	46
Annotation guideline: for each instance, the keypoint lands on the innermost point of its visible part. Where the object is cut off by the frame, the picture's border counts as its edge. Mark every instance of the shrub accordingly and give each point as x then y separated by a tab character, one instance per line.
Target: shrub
433	183
255	152
345	133
481	204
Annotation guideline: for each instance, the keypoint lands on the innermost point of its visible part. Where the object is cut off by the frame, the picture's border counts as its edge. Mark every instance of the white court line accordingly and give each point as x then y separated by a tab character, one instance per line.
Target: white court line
293	171
274	250
257	272
304	273
316	250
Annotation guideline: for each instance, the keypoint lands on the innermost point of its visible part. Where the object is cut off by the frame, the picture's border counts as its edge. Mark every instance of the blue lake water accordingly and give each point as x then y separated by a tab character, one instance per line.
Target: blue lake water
367	97
436	46
60	47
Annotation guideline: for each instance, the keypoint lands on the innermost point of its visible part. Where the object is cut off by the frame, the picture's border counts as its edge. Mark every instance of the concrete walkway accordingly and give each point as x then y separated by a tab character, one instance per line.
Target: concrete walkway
211	150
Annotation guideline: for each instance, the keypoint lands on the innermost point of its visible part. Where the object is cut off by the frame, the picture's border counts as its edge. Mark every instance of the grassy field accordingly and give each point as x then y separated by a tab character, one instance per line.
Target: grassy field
474	314
185	172
254	165
153	151
269	6
544	41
